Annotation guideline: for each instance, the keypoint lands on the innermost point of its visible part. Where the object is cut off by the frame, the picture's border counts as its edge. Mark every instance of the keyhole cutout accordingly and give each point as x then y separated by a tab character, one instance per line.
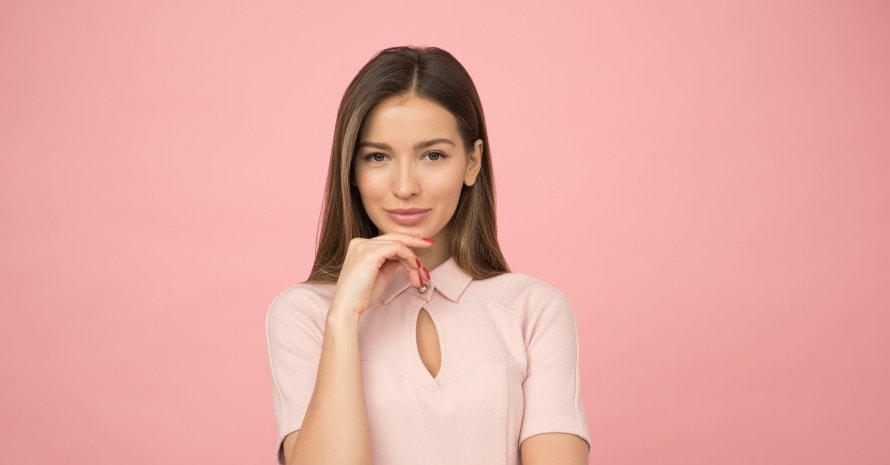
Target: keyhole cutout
428	343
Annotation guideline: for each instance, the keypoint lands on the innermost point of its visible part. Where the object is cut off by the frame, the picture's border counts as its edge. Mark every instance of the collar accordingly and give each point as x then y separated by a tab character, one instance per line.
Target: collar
448	279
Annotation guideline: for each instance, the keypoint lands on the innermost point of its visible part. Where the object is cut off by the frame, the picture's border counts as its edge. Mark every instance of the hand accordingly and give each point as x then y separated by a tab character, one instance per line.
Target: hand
369	266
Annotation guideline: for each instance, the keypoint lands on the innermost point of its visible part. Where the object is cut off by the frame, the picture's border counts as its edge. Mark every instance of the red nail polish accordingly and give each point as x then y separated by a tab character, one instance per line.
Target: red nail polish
417	260
427	273
427	239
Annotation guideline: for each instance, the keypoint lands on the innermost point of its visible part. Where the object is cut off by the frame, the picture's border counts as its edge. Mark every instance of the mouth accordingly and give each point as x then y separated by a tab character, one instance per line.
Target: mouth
407	216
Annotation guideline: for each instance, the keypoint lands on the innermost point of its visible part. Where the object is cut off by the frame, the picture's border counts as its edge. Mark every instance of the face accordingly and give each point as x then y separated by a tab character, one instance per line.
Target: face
411	165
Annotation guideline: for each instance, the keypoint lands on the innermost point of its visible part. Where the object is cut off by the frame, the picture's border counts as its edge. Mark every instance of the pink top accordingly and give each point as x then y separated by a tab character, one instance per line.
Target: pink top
509	366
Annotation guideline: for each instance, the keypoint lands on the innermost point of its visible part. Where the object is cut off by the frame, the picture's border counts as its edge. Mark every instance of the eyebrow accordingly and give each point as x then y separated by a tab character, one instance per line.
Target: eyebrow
420	145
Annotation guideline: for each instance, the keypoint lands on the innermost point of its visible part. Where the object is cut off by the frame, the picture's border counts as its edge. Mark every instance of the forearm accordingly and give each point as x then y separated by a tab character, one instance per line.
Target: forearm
335	428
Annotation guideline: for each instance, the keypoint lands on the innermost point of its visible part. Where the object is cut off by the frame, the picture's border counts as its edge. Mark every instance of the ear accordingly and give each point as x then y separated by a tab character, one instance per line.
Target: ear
474	163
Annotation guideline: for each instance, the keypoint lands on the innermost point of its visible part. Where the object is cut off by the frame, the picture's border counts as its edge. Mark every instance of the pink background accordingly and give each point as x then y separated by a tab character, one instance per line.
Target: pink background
707	182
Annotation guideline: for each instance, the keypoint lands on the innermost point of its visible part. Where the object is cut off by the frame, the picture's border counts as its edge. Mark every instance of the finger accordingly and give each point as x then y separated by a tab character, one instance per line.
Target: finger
396	247
408	239
396	250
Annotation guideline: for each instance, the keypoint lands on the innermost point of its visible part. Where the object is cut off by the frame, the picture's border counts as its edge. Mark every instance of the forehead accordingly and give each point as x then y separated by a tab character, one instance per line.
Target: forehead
408	119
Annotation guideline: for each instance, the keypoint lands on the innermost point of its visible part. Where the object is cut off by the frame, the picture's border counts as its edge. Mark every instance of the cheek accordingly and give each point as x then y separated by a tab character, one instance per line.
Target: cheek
446	187
368	186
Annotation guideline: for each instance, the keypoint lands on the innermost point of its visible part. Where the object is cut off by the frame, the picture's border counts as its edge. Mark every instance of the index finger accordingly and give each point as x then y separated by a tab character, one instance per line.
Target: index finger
408	239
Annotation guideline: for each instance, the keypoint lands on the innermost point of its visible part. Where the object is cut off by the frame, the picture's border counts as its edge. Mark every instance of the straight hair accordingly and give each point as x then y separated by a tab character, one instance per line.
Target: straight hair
430	73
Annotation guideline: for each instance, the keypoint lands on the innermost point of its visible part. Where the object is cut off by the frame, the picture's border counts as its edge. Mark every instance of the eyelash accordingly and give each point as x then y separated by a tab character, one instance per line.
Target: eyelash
440	155
371	156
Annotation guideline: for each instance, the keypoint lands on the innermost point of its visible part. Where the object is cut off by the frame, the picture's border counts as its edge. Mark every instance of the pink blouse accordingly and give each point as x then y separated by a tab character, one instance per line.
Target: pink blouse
509	366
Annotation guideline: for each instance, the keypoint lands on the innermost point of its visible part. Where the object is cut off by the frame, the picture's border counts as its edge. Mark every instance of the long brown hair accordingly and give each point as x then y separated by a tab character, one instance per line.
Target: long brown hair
434	74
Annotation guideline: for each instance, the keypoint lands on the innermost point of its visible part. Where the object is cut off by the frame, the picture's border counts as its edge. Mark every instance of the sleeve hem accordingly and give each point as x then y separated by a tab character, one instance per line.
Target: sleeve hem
553	423
289	424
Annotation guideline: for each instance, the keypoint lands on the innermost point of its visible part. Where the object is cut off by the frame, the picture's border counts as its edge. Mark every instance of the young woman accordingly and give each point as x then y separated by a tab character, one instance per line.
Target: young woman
412	343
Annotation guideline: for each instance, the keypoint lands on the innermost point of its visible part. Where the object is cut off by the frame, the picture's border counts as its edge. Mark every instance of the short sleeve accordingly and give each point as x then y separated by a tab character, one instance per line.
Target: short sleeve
552	393
294	334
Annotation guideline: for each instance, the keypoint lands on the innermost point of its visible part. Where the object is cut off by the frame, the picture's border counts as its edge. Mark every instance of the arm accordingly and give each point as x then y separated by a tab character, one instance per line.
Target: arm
335	428
554	429
553	449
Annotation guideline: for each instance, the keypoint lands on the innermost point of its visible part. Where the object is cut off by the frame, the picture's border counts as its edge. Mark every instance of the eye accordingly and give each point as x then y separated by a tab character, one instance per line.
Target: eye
433	156
376	156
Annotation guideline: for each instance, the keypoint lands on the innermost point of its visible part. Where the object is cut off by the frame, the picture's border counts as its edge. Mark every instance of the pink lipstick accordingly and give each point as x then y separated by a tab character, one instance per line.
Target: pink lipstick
407	216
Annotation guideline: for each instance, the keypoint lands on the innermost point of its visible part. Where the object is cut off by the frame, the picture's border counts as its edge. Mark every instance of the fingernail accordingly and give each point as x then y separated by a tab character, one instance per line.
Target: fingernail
427	239
427	273
417	260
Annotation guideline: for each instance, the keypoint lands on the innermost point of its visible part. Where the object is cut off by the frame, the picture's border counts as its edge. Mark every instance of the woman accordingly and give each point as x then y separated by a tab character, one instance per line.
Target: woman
411	343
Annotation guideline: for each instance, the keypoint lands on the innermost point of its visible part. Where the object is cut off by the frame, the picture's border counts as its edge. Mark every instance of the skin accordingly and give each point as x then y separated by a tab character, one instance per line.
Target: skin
410	155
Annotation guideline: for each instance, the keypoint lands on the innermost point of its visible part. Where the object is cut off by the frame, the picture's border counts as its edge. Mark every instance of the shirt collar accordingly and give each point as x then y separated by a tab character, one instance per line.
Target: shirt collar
448	279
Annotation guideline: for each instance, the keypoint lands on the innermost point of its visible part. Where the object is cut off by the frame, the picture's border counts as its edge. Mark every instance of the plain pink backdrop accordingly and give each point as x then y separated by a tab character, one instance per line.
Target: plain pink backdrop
706	181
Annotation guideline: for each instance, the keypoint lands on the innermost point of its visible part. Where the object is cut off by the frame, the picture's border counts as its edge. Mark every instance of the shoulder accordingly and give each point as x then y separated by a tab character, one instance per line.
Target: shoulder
304	301
522	294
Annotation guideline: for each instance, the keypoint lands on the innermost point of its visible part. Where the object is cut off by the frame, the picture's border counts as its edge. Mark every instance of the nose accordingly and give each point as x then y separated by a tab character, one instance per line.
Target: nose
405	183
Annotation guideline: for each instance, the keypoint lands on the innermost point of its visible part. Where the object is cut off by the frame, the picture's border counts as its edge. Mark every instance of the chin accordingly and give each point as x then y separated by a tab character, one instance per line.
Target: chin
399	229
412	230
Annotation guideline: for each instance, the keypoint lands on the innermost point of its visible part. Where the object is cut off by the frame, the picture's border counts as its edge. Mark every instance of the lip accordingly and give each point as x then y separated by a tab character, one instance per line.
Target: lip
407	216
